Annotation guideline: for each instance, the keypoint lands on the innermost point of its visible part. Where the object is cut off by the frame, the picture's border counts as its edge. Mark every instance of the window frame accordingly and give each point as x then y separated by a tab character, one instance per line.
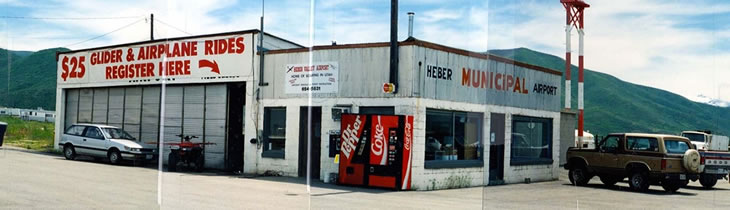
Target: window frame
86	130
267	152
446	164
603	142
547	132
628	149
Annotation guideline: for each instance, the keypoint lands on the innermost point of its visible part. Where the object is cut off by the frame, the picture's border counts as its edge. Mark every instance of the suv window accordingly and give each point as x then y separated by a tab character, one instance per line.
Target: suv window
93	132
675	147
644	144
610	144
75	130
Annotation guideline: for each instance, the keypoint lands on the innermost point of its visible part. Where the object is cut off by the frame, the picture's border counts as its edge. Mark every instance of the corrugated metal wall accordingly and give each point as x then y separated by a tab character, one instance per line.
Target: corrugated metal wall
197	110
362	72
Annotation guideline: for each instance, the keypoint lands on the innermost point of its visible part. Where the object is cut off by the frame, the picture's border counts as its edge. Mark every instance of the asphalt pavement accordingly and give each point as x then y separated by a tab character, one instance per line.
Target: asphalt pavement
30	180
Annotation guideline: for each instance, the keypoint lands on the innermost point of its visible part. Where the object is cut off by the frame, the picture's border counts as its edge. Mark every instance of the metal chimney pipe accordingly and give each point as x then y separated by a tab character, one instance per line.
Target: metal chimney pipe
410	23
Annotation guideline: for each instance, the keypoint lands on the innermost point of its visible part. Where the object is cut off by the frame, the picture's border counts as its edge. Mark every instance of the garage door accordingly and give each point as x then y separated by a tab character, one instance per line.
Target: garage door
198	110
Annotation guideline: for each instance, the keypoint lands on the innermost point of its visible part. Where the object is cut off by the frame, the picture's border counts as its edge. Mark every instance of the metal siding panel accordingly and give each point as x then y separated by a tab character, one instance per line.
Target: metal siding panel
150	114
72	107
193	110
101	105
85	105
173	113
116	106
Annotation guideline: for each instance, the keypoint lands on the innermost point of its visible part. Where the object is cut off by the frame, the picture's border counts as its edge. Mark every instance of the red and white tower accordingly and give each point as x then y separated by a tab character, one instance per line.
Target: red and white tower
574	18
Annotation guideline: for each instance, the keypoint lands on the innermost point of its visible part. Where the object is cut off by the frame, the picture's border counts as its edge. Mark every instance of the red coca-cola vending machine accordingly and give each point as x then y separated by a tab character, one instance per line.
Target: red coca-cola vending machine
376	150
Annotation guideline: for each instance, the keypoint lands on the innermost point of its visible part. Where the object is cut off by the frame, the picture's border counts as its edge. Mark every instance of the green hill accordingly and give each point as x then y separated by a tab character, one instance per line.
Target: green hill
32	81
613	105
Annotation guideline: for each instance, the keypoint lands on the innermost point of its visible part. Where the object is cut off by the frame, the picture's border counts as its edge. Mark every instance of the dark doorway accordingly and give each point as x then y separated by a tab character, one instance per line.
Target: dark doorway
496	149
235	141
310	121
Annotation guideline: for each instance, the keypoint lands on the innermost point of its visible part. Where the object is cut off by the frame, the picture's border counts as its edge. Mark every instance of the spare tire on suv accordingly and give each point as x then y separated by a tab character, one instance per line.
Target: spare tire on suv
691	161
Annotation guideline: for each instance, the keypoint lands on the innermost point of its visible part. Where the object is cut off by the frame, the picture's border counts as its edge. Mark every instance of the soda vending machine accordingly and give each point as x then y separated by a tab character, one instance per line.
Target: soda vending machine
376	151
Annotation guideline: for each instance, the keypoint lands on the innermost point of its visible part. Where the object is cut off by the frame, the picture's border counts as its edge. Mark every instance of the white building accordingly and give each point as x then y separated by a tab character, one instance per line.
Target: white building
478	119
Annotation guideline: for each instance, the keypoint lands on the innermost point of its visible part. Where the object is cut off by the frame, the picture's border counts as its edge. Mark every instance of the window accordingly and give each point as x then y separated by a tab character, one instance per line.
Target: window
93	132
676	147
610	144
695	137
75	130
274	132
116	133
453	139
531	141
643	144
384	110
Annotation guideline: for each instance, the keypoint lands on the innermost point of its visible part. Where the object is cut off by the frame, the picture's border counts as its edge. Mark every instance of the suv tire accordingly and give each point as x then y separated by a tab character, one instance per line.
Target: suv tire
579	176
609	180
639	181
69	152
708	181
114	157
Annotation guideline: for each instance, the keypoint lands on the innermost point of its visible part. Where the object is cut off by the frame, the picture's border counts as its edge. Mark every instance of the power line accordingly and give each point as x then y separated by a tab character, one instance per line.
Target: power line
96	37
66	18
171	26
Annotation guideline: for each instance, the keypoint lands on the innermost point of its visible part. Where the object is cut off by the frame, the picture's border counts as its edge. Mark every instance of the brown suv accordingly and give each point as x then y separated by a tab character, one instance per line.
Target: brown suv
646	159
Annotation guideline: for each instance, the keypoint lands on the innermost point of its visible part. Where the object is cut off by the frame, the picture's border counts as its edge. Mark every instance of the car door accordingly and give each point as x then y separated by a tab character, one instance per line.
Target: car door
608	155
95	141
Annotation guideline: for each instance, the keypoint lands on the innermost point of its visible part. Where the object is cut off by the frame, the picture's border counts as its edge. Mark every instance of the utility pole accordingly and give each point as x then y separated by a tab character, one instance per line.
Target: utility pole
152	26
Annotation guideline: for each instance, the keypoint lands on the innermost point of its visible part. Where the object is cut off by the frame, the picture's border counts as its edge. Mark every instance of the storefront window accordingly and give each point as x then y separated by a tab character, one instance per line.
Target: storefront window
453	139
274	132
531	141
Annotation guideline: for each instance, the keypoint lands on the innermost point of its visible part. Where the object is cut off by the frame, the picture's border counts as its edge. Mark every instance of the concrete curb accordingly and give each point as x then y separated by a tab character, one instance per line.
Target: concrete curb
20	149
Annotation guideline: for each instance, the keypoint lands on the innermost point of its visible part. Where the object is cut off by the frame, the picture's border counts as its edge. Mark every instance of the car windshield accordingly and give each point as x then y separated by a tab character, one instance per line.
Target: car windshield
116	133
676	147
695	137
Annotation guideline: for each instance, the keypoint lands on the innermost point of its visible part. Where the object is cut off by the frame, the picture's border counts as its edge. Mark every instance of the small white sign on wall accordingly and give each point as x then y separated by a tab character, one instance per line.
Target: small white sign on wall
320	77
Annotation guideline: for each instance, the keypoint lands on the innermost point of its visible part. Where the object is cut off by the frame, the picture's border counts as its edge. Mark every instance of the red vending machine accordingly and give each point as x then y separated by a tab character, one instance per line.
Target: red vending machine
375	151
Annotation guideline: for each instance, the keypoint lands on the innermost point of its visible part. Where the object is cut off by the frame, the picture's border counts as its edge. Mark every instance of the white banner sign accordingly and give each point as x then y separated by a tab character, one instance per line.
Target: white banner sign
320	77
207	59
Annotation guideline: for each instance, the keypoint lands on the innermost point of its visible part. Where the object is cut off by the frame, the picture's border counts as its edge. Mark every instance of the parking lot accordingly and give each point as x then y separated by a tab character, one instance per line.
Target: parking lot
44	181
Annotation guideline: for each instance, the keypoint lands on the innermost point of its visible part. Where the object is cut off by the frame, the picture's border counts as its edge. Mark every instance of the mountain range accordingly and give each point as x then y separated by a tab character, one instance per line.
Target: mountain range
611	105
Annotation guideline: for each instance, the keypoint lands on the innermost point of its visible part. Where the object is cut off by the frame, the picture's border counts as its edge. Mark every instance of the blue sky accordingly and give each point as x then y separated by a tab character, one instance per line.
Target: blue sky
680	46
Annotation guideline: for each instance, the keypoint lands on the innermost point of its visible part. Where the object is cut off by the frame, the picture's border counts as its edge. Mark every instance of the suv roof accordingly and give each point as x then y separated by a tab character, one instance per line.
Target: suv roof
649	135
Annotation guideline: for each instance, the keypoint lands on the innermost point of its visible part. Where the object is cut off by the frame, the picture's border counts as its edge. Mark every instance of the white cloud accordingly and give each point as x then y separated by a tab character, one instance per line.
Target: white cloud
637	41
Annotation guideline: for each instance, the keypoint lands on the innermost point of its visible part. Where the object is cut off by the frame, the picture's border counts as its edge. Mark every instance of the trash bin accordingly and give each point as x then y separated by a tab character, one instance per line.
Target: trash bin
3	127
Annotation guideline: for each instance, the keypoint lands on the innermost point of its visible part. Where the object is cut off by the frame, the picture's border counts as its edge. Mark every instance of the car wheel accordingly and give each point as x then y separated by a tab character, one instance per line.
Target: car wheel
708	181
671	186
114	157
68	152
609	181
578	176
639	181
172	162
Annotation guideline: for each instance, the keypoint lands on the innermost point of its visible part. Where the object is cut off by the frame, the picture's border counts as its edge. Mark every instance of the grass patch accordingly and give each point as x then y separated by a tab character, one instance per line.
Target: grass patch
31	135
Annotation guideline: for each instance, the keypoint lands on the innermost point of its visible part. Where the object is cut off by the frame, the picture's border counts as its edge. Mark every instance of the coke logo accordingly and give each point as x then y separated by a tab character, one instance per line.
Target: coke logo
377	146
407	141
